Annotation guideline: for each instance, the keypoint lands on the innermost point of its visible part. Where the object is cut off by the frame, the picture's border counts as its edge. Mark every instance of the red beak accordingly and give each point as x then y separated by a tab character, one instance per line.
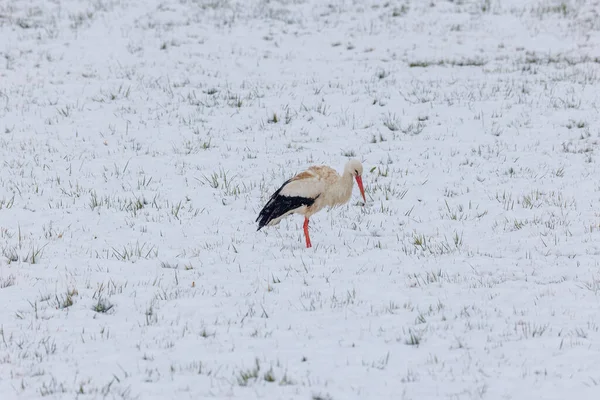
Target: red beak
360	186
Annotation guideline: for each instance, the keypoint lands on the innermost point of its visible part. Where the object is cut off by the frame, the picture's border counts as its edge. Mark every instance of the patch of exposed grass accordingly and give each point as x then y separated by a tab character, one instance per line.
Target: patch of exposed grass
7	282
467	62
63	301
102	306
248	375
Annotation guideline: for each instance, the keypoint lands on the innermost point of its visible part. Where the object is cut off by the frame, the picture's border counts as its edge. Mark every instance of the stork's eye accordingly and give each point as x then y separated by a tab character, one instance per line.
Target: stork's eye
356	172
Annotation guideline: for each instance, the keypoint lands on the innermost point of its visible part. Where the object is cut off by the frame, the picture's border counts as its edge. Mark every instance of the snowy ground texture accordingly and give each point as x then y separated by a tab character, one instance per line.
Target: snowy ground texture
140	138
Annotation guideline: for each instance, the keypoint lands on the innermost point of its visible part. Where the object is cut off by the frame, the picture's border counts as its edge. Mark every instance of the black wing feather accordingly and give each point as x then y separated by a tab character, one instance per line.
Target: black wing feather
279	205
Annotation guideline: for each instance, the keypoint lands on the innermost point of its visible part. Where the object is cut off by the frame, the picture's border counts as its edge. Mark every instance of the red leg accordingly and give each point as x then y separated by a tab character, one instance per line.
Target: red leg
306	235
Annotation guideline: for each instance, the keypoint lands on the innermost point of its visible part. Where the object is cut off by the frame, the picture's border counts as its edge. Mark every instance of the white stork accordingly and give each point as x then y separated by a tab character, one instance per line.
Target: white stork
310	191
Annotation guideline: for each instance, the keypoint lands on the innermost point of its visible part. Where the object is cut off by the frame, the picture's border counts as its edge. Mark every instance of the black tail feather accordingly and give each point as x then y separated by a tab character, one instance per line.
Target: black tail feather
278	205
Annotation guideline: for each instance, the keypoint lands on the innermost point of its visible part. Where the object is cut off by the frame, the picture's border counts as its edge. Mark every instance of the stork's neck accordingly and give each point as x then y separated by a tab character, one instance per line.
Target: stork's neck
342	189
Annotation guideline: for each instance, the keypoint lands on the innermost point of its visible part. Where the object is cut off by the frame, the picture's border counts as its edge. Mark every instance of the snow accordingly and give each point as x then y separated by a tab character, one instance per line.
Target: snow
140	139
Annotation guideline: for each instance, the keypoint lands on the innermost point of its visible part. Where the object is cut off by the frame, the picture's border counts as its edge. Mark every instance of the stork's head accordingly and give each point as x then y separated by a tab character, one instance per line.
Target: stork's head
355	168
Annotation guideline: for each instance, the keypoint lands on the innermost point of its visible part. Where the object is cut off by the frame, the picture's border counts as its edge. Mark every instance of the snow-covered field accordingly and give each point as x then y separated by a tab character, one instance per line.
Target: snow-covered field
140	138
